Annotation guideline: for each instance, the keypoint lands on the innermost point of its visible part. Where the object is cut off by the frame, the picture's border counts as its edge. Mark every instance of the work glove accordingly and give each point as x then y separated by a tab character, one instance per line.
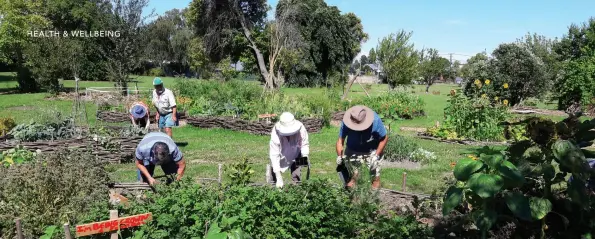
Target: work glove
374	157
340	160
279	178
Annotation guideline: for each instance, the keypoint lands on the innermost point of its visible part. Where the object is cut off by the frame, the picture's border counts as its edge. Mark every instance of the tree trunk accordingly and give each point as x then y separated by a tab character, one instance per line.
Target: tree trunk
428	87
349	86
264	73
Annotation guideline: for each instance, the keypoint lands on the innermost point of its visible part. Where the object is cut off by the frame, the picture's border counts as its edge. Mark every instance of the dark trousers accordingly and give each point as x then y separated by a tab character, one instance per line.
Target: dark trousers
296	173
168	169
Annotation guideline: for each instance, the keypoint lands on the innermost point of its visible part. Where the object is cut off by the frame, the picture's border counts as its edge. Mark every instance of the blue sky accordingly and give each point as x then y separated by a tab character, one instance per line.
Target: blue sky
460	27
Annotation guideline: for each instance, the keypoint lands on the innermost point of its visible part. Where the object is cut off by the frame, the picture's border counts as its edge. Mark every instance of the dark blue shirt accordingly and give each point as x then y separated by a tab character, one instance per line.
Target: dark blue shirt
364	141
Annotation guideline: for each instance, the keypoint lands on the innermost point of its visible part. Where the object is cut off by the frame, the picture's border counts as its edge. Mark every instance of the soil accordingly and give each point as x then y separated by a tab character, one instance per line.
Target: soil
401	203
531	110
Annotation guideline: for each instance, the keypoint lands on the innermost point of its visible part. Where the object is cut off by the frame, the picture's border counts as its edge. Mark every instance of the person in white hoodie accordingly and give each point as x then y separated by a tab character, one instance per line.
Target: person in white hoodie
289	141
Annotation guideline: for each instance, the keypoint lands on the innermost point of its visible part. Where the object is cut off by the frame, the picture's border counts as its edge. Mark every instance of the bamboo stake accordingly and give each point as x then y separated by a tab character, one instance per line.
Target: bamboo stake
220	174
404	187
67	231
268	174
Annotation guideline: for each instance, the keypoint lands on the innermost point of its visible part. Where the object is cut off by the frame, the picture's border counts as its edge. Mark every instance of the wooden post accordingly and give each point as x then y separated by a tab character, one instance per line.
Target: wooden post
113	214
268	174
404	187
220	175
67	231
19	229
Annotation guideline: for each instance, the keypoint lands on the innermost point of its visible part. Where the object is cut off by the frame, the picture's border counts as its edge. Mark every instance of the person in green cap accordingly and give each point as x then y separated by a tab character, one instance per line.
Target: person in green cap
165	103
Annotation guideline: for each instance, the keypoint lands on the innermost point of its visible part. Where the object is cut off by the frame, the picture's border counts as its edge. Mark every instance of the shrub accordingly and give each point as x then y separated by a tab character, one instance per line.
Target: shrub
52	190
399	148
394	105
156	71
477	118
315	209
523	182
576	84
6	124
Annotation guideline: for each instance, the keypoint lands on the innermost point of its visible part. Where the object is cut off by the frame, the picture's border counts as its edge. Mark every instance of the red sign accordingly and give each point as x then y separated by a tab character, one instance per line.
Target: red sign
112	225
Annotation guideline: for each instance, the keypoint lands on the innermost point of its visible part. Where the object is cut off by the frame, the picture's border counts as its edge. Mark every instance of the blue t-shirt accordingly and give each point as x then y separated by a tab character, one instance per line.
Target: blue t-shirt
144	152
367	140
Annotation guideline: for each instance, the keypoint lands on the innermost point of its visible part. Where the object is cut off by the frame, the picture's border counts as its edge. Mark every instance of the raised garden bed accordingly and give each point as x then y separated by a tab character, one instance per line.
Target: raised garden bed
423	135
123	153
313	125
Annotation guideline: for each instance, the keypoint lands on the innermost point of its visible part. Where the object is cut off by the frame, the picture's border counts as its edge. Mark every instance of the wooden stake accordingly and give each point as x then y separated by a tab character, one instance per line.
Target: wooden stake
220	175
404	187
19	229
113	214
67	231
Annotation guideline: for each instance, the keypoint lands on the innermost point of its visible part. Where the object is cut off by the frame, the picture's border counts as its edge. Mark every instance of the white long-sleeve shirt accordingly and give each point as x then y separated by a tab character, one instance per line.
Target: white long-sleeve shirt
285	149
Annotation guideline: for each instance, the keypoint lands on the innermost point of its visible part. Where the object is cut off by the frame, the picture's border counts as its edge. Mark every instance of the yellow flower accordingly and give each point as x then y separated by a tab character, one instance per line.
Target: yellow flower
487	82
484	96
496	98
477	82
505	102
471	156
505	86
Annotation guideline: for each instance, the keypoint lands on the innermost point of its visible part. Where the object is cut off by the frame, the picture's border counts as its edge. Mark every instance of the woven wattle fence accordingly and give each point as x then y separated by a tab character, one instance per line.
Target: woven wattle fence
125	152
118	117
313	125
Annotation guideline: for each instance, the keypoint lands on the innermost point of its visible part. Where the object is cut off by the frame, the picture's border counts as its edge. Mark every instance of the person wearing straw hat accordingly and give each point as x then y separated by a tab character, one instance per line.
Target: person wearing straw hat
289	141
165	103
139	115
366	137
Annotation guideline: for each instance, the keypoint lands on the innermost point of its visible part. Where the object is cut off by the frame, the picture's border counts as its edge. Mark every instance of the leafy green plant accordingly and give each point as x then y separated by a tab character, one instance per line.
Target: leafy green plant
224	227
394	105
477	118
58	188
523	177
6	124
17	155
399	148
49	232
51	131
240	173
156	71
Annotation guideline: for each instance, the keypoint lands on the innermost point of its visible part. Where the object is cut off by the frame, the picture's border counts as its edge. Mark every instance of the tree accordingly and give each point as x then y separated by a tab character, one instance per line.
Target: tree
467	70
372	56
432	66
524	72
219	22
398	58
124	53
18	19
364	60
198	59
543	48
284	36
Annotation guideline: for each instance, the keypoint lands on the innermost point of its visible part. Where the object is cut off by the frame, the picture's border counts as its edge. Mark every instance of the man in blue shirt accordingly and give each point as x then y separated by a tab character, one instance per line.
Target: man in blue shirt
158	148
366	137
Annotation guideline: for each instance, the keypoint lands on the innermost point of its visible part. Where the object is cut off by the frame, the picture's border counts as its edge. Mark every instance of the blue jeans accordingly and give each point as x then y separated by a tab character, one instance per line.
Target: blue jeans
166	121
168	169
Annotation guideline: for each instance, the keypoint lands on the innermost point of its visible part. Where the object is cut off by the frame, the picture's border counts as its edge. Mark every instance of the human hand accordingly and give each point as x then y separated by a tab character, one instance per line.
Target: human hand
340	160
174	117
157	117
279	183
374	157
152	181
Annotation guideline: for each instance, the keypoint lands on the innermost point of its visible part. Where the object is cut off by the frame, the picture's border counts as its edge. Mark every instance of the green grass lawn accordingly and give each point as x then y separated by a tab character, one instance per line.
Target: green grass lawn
208	147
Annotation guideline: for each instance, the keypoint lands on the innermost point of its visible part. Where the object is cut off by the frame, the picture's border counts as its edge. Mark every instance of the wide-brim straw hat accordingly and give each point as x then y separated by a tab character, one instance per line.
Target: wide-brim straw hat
358	118
287	125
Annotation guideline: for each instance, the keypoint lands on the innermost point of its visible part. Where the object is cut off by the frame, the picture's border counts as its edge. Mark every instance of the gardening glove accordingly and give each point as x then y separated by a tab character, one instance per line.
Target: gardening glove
374	157
340	160
279	178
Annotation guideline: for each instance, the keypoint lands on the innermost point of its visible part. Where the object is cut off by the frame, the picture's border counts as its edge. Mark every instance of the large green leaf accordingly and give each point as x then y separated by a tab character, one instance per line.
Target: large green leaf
511	173
540	207
453	197
485	185
549	172
465	168
492	160
561	148
534	155
577	190
570	156
486	219
519	205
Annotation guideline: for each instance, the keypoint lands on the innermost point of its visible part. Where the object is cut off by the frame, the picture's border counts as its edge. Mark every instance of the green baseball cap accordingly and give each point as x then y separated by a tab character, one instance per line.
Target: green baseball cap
157	81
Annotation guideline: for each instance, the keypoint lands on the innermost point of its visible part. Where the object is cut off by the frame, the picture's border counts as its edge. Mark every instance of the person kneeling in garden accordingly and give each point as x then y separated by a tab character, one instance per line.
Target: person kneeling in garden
366	137
157	148
139	115
289	141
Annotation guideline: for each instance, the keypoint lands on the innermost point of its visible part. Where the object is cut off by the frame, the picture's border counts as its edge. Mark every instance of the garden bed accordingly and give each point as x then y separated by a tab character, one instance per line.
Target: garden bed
313	125
125	151
119	117
423	135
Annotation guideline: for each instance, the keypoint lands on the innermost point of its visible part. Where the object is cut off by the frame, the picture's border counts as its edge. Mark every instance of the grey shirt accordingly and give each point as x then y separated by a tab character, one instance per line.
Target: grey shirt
144	153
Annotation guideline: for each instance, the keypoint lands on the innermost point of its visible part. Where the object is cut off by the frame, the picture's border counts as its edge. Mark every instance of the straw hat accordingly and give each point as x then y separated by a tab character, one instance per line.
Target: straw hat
287	125
358	118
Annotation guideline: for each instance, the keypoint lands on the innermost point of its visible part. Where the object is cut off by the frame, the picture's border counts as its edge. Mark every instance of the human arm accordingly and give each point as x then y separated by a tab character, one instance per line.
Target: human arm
341	140
305	147
381	133
173	105
275	157
174	115
148	121
181	168
145	172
